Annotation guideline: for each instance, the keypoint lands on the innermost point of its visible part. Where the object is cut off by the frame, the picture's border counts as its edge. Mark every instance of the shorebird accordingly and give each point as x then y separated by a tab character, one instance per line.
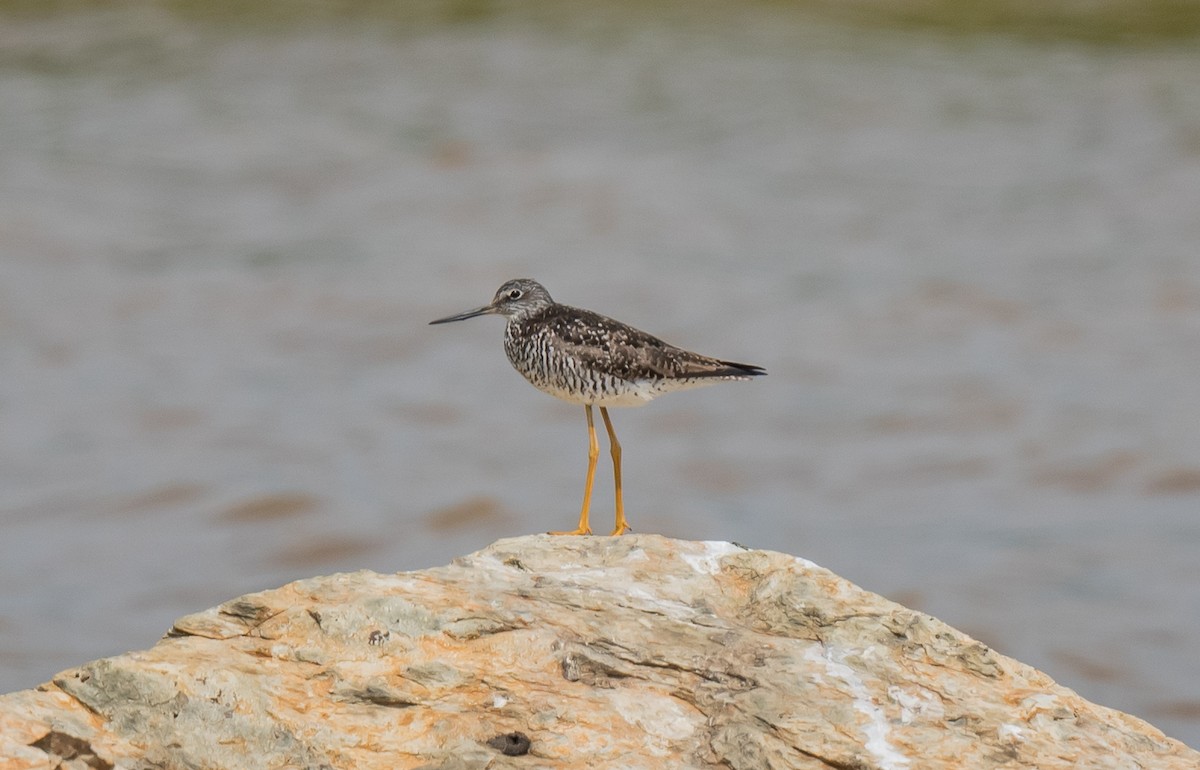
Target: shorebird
589	359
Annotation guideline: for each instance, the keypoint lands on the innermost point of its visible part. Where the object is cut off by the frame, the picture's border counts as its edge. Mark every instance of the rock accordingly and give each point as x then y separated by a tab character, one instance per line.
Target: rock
539	652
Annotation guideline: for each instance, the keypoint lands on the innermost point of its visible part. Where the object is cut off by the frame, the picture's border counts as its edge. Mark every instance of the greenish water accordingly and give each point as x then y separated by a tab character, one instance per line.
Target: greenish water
962	238
1119	22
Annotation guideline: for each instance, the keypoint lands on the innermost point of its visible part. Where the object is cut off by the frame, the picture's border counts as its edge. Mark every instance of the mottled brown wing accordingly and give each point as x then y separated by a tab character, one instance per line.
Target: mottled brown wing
607	345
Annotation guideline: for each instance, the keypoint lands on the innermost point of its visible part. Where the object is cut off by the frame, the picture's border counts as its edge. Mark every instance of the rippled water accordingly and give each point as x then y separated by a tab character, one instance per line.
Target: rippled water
968	261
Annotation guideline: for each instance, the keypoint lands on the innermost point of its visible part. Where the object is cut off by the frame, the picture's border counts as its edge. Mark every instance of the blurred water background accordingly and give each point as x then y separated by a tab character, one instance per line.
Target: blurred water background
961	237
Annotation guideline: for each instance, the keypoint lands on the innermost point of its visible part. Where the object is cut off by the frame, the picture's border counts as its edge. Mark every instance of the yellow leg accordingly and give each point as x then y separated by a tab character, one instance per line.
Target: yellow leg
622	526
593	455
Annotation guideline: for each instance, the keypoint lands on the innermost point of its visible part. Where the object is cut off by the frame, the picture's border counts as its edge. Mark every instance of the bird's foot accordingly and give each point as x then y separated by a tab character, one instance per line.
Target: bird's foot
621	529
577	531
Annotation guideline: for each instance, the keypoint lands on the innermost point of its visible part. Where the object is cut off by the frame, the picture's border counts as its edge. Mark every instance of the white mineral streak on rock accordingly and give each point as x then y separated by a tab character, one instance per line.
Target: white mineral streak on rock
877	728
581	576
708	562
638	554
629	653
661	717
669	607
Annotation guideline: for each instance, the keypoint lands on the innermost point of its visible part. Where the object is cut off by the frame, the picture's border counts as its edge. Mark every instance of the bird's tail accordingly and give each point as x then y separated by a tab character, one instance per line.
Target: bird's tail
734	369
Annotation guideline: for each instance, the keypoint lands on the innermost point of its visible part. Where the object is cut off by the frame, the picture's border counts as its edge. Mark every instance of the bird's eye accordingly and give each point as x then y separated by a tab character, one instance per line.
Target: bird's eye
514	294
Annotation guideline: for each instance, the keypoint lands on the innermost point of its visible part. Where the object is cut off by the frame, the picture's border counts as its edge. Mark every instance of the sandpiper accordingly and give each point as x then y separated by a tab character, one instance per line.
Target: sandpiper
589	359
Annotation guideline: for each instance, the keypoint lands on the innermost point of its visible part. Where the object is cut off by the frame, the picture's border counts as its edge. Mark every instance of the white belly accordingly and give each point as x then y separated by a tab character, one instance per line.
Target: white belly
623	393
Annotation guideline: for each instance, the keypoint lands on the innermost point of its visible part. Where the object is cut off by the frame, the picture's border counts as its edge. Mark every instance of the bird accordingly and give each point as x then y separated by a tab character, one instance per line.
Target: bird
586	358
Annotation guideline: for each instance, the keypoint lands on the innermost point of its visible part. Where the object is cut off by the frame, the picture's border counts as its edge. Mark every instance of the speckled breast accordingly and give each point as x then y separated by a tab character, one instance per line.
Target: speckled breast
552	370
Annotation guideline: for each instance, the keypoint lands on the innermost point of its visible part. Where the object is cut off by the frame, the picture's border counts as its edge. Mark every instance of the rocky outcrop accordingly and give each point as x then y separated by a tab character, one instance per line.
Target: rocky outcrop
597	652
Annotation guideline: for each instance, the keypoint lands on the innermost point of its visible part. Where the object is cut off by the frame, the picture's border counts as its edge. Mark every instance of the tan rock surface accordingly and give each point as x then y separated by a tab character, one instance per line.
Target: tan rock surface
631	652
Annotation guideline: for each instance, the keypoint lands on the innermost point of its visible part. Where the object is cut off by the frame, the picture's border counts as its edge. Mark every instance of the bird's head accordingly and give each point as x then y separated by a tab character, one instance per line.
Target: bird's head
516	299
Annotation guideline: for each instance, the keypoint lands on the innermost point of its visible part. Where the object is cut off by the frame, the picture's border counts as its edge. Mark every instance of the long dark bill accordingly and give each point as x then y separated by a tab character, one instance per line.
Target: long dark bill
463	316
